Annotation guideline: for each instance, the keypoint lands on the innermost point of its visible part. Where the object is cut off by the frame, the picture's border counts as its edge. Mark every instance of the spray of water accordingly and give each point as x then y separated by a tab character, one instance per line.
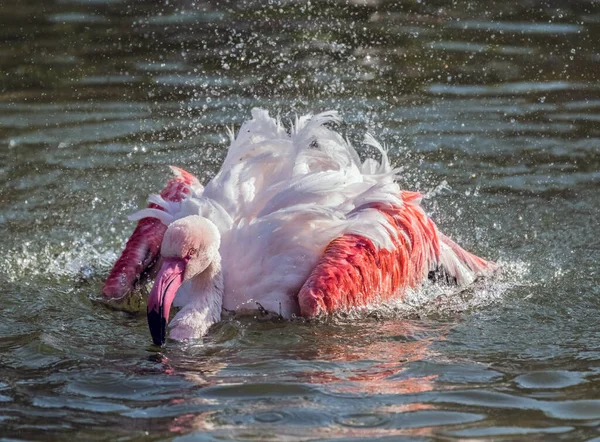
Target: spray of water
77	260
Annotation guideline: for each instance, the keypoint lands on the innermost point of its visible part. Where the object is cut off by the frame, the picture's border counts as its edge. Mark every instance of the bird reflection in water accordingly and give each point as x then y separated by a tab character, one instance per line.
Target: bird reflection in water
344	361
382	355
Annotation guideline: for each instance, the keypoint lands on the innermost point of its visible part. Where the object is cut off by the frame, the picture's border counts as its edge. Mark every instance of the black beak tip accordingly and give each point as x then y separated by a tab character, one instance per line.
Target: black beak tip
158	327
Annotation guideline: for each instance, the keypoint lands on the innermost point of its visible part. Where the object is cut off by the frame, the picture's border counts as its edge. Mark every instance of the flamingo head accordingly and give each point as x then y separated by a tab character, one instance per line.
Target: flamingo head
188	248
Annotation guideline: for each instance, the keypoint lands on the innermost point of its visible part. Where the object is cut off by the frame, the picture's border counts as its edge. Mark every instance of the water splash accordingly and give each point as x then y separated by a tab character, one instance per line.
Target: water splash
432	300
80	259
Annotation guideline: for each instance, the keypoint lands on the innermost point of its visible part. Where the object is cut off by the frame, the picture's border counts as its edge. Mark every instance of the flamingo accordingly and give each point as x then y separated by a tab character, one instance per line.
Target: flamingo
293	223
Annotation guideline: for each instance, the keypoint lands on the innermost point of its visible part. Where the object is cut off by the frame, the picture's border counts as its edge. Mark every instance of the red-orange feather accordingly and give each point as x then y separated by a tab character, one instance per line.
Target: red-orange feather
353	272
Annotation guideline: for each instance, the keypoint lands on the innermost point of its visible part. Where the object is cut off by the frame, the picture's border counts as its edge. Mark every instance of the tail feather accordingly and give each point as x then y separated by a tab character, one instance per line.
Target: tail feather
459	265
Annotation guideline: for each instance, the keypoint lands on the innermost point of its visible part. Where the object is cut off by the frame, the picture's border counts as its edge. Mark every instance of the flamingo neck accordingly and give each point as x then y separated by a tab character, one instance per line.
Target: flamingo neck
204	306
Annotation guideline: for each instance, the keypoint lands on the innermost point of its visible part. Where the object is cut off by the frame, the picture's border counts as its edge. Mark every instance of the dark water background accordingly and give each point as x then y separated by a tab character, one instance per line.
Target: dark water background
500	100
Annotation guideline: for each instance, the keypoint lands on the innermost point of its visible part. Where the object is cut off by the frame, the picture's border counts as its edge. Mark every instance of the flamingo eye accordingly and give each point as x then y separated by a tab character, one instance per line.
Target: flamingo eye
192	252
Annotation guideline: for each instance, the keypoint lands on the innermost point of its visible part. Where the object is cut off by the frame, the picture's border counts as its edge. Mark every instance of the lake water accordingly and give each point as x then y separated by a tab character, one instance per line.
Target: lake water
491	110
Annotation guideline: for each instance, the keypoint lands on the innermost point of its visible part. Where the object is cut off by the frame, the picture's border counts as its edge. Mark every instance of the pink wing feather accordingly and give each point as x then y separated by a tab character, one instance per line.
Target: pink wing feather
143	247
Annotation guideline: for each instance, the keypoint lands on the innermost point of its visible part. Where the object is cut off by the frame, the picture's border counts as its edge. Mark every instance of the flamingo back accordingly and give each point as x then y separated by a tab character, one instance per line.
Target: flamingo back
314	229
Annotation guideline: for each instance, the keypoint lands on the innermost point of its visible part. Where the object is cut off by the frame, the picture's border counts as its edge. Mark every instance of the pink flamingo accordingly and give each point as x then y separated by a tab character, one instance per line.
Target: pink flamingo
293	223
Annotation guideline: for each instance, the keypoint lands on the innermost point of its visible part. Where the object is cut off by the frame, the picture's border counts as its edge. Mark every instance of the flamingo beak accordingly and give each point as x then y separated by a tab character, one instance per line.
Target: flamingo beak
168	281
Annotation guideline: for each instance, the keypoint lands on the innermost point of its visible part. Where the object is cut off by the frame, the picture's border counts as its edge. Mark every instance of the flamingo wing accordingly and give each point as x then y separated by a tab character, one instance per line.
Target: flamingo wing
355	272
143	247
